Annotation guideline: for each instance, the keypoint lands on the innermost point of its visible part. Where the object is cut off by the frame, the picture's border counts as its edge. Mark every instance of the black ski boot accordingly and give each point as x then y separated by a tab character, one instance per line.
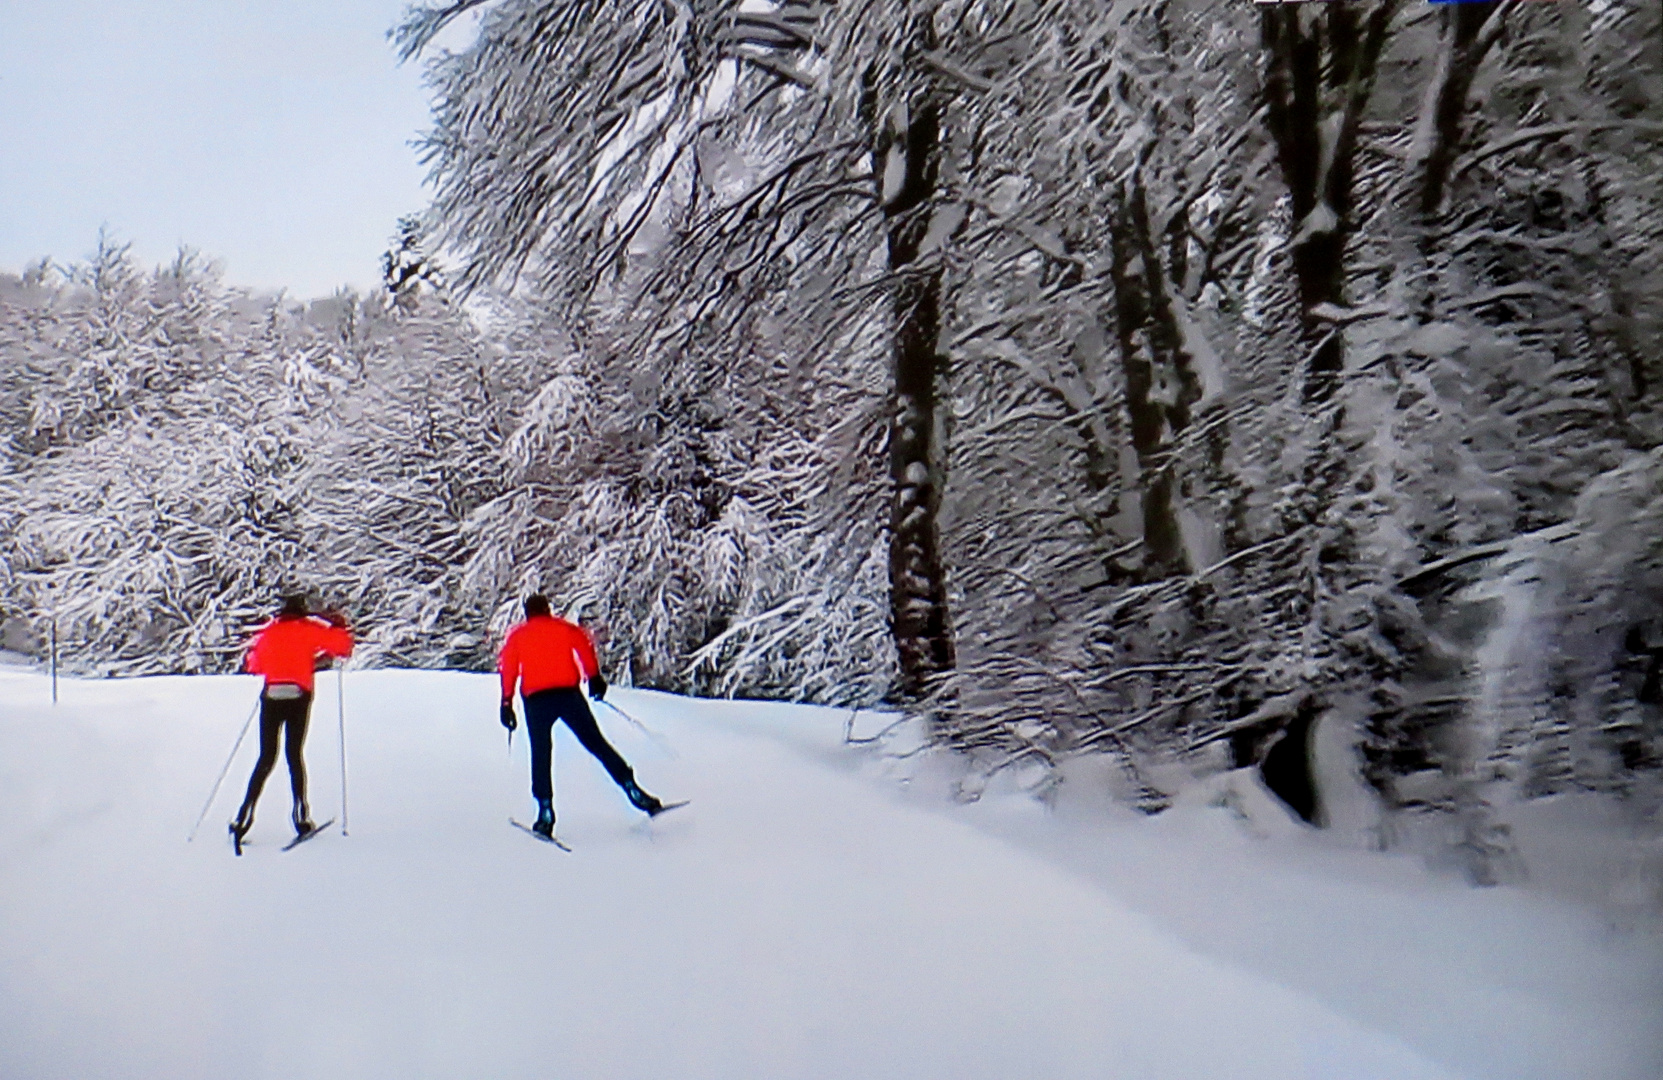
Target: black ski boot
239	828
545	818
302	820
647	804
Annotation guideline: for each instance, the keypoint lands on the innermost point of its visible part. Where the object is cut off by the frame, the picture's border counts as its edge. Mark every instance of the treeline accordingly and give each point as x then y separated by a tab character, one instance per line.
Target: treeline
177	454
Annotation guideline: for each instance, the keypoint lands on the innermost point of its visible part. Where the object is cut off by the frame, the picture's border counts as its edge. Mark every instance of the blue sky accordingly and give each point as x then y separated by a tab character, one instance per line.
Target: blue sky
273	135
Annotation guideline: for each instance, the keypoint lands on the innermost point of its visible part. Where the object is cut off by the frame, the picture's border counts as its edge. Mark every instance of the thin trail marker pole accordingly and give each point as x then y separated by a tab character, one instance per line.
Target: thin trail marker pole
340	716
239	745
54	660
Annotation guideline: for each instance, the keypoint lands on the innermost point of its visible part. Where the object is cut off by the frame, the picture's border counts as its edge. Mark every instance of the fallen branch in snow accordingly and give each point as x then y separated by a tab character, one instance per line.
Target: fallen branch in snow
849	731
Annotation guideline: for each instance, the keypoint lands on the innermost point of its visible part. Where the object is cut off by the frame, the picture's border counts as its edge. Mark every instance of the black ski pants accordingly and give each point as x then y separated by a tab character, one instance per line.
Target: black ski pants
542	709
286	718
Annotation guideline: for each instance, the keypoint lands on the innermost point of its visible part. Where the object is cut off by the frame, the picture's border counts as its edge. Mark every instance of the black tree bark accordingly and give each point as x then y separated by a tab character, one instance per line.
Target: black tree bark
1320	70
1161	383
906	153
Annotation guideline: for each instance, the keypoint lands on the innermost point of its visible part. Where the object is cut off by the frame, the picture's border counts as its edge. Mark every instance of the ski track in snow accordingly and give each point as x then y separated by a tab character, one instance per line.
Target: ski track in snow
802	918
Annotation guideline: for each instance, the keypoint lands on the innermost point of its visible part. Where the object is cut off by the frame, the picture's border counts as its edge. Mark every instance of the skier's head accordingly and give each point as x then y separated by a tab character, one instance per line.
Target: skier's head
294	607
537	604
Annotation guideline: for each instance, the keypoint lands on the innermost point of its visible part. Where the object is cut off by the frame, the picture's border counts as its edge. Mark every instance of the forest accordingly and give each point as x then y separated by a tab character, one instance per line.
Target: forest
1174	383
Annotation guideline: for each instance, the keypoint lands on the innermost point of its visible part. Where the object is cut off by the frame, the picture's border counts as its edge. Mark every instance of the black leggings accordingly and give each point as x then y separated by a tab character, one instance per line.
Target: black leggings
280	717
542	709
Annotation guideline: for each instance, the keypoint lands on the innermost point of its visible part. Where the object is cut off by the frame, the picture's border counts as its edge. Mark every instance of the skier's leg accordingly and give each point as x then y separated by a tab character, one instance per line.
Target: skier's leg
539	725
575	711
271	722
294	743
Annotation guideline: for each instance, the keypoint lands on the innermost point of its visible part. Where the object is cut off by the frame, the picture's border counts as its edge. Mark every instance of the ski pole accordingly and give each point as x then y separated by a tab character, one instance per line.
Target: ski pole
508	763
657	739
340	716
223	771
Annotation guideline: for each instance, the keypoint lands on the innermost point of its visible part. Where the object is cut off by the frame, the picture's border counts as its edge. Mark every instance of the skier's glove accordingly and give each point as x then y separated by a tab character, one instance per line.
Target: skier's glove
597	686
334	618
508	720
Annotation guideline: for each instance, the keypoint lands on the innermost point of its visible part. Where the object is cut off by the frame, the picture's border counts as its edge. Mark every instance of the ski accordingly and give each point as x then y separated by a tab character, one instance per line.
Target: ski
667	807
556	841
305	836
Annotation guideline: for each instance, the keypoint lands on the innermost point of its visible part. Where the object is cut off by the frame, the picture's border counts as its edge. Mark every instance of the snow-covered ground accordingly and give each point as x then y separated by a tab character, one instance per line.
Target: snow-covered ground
808	916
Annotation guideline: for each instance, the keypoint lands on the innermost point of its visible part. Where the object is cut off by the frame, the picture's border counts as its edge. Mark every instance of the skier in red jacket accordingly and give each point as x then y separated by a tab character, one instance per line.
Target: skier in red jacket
286	651
549	657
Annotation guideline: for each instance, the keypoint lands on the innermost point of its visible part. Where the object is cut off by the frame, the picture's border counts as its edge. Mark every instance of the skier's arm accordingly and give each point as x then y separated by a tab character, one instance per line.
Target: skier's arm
586	655
508	666
337	639
590	664
251	658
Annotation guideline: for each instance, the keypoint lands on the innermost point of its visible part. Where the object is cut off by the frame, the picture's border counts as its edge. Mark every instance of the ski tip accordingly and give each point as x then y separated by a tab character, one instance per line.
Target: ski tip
667	807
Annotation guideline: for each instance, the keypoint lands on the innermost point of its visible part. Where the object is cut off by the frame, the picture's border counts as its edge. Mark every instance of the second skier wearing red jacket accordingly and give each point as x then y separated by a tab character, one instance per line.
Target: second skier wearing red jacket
548	657
285	651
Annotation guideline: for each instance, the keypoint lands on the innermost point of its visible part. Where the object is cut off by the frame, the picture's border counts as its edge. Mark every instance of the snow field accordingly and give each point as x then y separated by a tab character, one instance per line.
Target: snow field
798	920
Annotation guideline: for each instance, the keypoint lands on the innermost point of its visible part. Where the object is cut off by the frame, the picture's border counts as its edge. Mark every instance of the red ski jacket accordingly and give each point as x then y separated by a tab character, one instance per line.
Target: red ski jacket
285	650
544	653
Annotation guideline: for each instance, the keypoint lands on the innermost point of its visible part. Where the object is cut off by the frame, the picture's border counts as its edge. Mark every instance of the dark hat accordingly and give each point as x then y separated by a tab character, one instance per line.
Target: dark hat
294	607
536	604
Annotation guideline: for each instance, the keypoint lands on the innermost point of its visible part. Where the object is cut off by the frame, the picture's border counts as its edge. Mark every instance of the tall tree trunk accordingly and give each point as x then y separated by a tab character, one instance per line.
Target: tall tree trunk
1321	61
906	152
1469	32
1161	383
1320	72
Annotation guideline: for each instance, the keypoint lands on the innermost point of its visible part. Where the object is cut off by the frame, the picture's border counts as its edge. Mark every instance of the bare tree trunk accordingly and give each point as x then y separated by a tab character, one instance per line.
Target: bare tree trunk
1320	73
1161	383
906	154
1469	32
1320	69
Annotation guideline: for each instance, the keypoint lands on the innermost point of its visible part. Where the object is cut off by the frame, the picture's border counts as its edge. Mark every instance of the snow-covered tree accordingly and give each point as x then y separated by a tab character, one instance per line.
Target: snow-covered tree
569	136
189	453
